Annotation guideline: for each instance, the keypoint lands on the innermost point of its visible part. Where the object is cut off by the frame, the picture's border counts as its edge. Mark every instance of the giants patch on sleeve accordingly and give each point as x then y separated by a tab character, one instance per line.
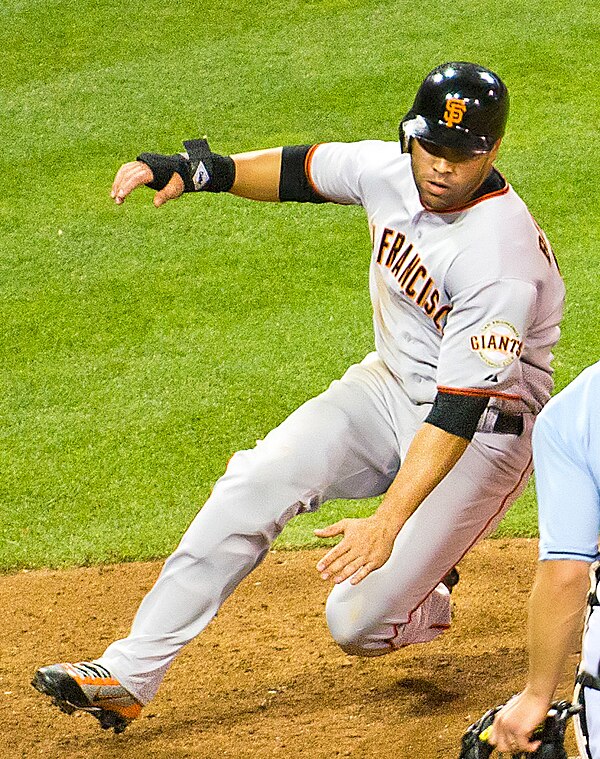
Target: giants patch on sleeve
498	344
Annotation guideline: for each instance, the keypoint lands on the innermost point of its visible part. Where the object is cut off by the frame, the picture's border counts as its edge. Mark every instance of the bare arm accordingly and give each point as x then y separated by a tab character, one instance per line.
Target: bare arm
256	177
432	454
556	608
257	174
557	604
368	543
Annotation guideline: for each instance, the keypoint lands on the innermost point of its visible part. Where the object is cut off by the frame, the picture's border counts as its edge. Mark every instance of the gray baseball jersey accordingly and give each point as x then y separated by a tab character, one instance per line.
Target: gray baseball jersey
459	296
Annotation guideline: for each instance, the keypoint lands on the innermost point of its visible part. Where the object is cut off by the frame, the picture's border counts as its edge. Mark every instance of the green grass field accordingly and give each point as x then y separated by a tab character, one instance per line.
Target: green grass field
141	347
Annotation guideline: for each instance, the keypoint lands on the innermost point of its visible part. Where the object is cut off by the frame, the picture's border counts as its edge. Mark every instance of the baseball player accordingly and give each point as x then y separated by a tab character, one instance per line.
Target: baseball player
467	299
566	448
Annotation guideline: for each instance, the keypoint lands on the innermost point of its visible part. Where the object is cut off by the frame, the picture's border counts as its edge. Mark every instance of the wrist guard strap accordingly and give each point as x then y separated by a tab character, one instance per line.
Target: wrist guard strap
200	168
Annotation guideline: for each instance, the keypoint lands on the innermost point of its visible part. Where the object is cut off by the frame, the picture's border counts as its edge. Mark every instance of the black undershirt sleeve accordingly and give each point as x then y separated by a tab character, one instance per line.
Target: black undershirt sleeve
293	180
457	414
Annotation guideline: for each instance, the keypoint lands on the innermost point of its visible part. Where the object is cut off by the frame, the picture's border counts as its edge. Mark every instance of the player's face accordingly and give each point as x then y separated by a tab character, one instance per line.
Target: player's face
447	178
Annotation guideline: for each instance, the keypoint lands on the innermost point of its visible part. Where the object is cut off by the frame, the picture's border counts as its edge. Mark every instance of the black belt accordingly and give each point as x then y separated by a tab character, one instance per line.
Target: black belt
508	424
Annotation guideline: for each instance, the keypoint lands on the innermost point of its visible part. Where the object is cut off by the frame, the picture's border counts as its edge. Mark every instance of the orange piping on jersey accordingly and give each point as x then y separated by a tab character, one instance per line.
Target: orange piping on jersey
307	168
477	391
494	194
396	627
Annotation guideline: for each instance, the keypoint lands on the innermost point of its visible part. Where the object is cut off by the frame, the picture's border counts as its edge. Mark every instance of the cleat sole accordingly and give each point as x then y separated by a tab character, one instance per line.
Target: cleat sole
63	706
69	698
110	720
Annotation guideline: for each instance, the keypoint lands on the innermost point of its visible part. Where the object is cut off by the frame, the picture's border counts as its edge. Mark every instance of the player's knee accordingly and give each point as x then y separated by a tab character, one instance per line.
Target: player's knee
346	629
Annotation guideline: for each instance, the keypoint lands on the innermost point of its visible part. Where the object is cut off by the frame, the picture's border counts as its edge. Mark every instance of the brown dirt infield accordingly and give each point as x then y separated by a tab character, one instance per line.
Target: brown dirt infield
265	679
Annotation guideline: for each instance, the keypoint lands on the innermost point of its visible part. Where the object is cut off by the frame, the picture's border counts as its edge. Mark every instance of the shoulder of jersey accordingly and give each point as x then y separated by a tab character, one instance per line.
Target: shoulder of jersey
381	150
499	239
379	159
502	214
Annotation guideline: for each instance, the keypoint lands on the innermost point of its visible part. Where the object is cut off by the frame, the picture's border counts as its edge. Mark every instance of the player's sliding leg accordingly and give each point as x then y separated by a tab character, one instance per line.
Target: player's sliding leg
339	444
404	601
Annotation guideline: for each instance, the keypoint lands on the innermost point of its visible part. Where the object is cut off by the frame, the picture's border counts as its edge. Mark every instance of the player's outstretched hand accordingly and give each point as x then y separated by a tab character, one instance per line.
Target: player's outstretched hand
366	545
136	173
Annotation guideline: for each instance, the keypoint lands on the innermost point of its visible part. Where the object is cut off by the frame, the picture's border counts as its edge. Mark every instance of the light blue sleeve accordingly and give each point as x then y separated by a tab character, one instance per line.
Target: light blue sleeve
567	491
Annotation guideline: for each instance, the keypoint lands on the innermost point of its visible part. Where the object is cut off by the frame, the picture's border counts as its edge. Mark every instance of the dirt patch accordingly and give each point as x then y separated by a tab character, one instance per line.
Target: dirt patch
266	679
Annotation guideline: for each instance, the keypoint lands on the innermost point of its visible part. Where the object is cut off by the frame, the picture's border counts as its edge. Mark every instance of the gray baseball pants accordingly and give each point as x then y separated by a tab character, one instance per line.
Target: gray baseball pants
346	443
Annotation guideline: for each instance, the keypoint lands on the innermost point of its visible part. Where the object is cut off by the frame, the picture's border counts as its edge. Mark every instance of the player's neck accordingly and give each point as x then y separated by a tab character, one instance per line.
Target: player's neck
492	183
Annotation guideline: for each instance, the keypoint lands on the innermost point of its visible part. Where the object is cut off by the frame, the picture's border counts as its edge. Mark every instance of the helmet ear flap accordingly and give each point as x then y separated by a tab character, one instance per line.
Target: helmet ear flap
405	138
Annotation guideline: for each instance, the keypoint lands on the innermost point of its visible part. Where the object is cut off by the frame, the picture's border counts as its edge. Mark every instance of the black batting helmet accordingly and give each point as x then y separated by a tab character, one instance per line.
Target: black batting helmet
459	105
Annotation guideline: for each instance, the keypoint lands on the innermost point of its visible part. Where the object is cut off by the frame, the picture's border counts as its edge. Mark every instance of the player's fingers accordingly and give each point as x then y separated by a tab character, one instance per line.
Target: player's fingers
117	181
172	190
130	176
334	560
508	736
360	575
123	178
332	556
337	528
349	569
345	565
516	745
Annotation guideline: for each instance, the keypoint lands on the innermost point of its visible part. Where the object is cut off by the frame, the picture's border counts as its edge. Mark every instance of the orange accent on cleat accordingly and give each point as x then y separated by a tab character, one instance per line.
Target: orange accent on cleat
129	712
88	687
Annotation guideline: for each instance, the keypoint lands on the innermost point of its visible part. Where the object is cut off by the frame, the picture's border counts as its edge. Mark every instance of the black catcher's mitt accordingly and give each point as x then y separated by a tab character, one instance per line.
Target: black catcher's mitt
551	733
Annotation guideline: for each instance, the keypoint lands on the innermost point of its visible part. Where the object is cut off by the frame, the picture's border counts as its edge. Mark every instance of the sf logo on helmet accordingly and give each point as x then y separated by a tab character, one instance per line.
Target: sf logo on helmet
455	110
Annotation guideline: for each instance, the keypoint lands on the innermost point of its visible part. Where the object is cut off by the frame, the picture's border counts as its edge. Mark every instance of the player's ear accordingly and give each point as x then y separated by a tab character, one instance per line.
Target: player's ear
494	151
